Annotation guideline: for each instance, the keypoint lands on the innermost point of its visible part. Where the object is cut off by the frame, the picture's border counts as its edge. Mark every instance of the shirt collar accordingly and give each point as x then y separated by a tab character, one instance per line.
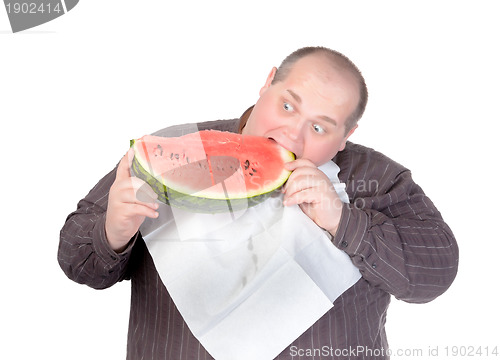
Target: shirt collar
244	118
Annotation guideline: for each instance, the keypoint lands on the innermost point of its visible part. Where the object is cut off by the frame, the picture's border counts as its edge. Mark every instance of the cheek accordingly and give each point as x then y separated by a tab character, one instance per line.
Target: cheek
263	119
319	152
258	123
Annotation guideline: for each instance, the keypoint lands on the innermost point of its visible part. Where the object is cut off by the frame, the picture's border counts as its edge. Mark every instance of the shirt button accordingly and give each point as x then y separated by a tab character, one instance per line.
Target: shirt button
344	244
374	265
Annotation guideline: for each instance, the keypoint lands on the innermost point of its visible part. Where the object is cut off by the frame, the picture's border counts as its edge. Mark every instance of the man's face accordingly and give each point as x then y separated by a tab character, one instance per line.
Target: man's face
306	112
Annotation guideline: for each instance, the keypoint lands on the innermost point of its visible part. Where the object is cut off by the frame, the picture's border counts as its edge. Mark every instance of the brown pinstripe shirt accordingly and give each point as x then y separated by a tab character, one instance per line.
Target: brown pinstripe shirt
391	230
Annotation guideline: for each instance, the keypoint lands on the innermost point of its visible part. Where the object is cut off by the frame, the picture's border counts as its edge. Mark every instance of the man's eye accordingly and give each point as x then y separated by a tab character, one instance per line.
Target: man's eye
287	107
318	128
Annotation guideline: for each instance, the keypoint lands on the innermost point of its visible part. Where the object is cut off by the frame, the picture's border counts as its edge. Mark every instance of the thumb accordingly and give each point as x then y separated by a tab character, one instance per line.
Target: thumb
123	169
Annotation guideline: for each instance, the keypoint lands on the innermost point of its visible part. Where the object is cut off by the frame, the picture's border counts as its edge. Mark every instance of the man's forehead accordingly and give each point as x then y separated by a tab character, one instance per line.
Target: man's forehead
324	82
314	78
321	66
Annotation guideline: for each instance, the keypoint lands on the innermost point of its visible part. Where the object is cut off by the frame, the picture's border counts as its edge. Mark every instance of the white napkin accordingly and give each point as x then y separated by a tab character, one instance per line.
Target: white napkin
249	283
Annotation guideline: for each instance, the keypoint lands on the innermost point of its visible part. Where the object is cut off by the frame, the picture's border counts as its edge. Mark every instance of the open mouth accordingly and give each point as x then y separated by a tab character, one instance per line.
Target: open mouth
294	154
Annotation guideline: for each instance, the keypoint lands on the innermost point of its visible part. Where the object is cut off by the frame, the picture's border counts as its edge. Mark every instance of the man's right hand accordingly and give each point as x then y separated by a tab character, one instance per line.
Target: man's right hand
125	211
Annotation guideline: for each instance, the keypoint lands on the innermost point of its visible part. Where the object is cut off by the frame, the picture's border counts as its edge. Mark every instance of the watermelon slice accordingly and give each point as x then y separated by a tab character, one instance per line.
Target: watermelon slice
211	171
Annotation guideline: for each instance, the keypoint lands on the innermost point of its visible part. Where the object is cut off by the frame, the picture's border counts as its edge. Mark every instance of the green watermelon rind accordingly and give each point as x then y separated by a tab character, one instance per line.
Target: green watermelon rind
194	203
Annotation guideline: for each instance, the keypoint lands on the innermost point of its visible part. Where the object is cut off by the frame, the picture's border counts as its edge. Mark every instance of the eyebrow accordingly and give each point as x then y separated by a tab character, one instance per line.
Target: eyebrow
298	99
329	119
295	96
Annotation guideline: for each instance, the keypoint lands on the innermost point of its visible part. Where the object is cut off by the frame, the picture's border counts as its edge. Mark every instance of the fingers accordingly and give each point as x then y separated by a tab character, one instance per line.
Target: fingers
302	178
131	189
295	164
306	184
310	189
123	170
303	191
130	200
140	210
143	192
135	191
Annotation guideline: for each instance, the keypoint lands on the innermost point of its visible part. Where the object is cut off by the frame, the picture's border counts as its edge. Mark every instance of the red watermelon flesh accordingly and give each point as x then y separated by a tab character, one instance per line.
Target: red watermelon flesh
201	171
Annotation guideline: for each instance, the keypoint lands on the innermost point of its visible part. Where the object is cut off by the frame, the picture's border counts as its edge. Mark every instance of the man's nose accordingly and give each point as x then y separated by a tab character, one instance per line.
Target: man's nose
295	130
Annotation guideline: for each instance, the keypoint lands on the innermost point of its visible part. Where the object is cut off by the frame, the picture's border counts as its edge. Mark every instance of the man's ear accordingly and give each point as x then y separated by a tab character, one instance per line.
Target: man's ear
269	80
342	146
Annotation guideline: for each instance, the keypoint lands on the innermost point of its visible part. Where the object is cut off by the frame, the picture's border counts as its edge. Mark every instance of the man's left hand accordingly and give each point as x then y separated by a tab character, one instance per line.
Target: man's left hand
311	189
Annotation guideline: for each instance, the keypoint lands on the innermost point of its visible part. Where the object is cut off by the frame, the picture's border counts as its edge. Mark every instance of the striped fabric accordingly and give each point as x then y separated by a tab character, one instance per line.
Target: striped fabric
391	230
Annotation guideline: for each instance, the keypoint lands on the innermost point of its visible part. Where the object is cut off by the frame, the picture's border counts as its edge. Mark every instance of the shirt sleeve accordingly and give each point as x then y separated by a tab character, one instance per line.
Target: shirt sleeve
84	252
395	235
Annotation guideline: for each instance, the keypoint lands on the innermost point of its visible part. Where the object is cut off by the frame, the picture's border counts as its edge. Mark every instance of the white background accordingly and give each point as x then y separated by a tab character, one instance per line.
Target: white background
75	90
